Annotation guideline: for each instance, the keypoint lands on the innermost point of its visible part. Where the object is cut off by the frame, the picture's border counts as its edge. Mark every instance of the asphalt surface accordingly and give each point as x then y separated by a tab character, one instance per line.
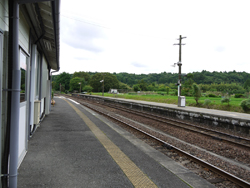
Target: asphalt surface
64	152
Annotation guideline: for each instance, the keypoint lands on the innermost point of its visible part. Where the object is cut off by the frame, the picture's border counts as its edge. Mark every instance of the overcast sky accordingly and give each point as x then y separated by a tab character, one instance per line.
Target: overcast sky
137	36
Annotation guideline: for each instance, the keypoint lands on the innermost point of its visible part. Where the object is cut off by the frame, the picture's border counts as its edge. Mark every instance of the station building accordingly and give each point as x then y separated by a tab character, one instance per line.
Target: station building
29	54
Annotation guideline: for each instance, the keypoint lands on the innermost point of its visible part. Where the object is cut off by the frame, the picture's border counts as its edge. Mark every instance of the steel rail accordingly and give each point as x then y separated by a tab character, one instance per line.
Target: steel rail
205	164
164	120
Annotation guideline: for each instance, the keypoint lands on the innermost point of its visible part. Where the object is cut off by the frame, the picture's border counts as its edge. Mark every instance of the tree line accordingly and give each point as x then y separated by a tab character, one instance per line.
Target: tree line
233	82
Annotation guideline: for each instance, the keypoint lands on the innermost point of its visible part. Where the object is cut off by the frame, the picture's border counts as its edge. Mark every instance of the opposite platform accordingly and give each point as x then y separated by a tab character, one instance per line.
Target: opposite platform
75	147
232	120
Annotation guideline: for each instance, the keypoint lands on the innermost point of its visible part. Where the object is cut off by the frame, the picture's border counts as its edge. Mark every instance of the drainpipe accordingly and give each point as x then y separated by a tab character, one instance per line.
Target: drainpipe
15	100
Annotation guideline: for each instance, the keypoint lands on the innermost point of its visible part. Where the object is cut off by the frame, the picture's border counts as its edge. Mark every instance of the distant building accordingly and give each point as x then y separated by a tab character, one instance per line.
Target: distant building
114	91
29	52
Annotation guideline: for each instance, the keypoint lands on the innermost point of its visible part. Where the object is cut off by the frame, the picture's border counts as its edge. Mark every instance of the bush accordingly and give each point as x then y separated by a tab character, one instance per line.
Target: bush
225	100
87	88
211	95
196	93
238	95
161	93
207	102
245	104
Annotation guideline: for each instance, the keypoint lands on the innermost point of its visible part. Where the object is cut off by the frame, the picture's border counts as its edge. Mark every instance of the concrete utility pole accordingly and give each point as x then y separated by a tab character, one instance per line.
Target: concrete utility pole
179	64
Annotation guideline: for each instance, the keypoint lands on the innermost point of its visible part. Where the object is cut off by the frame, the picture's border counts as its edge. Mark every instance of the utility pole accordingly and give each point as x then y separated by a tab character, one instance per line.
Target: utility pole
181	102
103	85
179	64
80	86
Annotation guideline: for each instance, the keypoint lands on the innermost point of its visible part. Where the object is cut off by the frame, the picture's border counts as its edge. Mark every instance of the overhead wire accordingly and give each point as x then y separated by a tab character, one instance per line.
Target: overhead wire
106	27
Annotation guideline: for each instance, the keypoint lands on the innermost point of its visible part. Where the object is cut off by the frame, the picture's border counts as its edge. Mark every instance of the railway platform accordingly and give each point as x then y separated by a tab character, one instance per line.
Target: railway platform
232	120
75	147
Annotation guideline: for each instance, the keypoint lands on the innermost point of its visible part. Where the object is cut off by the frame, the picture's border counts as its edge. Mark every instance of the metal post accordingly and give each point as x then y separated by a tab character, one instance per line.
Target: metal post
1	76
179	64
103	86
15	101
80	86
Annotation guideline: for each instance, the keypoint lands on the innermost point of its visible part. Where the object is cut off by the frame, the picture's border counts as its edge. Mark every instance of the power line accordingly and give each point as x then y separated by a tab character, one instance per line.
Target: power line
84	21
105	27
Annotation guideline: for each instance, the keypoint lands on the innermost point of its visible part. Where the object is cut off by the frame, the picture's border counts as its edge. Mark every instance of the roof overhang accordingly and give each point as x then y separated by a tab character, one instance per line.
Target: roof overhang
44	19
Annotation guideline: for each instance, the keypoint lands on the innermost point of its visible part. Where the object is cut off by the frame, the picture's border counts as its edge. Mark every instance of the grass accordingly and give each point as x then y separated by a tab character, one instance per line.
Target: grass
234	104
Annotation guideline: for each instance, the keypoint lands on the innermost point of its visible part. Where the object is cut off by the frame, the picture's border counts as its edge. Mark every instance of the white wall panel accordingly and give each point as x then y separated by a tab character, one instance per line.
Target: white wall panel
3	12
22	132
23	33
44	78
42	106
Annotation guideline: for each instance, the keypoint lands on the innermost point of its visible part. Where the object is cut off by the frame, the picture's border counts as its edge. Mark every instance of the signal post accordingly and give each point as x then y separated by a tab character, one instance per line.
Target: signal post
181	99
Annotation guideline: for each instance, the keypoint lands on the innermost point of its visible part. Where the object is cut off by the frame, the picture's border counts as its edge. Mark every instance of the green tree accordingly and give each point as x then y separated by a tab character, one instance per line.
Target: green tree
247	85
162	87
74	83
82	74
196	93
110	82
136	87
124	86
87	88
187	86
167	90
143	85
63	79
151	87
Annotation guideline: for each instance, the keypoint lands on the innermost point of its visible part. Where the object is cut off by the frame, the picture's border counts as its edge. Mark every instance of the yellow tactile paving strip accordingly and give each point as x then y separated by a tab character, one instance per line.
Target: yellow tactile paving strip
134	174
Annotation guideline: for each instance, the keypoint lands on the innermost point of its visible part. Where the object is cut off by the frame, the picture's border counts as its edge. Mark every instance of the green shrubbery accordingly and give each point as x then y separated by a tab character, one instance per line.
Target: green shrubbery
238	95
207	102
245	104
225	100
211	95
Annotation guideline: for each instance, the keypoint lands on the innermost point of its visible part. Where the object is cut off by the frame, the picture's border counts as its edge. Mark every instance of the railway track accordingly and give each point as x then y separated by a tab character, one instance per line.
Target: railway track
224	137
203	163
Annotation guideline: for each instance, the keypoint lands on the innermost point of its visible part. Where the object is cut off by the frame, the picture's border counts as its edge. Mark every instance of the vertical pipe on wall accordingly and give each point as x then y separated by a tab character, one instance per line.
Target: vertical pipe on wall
1	76
15	100
32	83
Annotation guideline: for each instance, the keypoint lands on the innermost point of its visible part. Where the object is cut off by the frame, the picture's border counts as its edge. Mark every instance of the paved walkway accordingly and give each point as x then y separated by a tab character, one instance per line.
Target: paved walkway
74	147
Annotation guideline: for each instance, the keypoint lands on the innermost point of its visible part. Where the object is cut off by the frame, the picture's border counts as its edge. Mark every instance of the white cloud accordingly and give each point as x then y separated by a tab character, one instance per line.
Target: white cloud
137	36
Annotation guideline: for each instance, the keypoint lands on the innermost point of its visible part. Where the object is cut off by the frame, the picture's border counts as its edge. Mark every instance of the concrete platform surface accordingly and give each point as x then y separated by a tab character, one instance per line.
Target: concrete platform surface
75	147
236	121
226	114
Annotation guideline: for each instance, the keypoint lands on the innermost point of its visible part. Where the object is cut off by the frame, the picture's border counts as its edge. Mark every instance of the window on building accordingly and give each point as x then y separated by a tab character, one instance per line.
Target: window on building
23	67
